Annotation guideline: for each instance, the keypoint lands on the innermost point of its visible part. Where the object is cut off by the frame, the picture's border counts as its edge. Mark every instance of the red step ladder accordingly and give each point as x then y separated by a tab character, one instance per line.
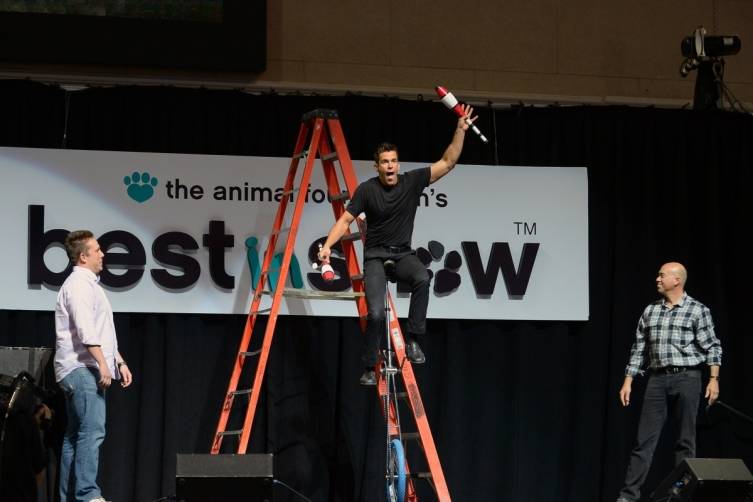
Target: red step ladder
321	136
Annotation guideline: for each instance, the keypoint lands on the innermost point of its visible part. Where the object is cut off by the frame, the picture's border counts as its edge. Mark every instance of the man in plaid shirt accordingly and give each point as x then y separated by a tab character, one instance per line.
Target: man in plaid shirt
674	339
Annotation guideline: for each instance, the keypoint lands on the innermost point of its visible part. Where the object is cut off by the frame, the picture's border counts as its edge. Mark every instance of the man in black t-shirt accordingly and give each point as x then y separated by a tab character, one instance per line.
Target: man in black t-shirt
389	201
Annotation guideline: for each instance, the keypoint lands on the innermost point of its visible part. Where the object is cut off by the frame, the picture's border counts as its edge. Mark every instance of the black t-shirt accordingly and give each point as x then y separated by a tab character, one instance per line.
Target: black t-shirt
390	211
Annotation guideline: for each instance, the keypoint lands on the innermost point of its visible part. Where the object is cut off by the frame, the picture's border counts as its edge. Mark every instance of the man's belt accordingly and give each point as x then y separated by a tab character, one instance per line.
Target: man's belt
666	370
396	249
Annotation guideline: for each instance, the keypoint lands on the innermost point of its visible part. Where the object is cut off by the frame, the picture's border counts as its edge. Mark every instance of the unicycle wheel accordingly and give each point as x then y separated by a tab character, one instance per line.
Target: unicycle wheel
396	472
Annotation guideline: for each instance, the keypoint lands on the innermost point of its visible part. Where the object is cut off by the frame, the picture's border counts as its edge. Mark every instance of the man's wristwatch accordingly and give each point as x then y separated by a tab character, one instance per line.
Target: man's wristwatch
121	363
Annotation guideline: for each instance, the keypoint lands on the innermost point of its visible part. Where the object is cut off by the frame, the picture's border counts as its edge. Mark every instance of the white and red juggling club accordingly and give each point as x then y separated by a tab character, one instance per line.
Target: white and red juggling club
451	102
328	273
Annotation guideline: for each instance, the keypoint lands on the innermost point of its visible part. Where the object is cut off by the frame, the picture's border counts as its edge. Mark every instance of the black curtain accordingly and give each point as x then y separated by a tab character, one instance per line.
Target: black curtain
520	411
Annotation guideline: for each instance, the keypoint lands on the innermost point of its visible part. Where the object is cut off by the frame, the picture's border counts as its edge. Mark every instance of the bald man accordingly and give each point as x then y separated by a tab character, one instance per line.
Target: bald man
674	340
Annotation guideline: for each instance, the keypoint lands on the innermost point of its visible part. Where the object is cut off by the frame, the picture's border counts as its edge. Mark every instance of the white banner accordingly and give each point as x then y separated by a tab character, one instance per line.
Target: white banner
185	233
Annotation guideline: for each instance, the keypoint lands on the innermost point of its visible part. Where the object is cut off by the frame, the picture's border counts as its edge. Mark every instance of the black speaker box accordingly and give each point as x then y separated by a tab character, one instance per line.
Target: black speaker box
707	480
14	360
209	478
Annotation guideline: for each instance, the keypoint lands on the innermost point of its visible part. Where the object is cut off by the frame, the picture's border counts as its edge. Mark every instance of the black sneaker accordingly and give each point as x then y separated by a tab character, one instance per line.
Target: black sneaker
368	378
414	352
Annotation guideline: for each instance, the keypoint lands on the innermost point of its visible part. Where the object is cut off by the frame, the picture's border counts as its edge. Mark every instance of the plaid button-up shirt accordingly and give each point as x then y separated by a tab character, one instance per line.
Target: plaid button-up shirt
678	336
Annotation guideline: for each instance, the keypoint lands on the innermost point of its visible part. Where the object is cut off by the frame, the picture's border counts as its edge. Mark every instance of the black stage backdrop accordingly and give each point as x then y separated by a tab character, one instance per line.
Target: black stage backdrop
521	411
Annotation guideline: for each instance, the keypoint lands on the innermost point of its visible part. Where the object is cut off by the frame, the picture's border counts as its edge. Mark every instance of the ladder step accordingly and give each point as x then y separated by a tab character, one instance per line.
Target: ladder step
240	392
314	294
421	475
340	196
301	154
356	277
329	156
281	231
230	433
250	354
290	192
351	237
402	395
412	436
262	311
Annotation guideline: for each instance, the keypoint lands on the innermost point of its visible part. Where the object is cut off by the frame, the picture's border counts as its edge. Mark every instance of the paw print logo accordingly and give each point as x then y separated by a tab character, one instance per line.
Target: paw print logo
447	279
140	186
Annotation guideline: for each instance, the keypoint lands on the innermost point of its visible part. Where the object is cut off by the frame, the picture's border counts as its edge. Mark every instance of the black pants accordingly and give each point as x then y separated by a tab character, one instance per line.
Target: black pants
408	269
678	394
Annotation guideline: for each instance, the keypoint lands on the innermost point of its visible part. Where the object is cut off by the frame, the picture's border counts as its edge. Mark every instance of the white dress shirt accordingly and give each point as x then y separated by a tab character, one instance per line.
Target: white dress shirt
83	316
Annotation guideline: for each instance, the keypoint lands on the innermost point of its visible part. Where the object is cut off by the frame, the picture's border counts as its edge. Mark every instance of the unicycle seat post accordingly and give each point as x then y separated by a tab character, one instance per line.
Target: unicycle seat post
389	272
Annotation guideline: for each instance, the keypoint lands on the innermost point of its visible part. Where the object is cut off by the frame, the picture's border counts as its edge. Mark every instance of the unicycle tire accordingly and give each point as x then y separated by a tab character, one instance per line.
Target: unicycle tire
396	472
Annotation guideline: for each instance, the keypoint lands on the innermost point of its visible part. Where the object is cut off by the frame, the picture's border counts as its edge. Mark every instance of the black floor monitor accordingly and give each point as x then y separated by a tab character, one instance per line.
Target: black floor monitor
209	478
707	480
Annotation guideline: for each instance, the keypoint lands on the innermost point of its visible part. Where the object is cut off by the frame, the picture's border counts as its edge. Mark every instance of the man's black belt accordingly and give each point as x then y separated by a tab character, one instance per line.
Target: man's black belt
673	369
396	249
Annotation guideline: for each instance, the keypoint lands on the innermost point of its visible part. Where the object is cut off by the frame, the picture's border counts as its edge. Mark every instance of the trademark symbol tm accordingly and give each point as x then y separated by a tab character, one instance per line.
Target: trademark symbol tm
525	227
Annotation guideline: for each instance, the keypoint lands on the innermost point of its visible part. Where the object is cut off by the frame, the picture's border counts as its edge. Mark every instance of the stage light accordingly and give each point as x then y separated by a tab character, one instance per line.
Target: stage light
706	53
700	45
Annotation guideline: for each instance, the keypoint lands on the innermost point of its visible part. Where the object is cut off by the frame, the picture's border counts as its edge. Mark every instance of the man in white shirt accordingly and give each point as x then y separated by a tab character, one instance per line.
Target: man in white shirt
86	362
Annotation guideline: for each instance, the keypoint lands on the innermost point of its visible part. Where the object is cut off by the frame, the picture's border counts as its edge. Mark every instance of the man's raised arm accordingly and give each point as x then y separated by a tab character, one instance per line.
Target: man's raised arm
452	153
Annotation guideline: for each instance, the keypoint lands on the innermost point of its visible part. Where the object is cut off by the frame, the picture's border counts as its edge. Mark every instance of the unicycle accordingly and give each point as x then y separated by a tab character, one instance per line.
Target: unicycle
395	454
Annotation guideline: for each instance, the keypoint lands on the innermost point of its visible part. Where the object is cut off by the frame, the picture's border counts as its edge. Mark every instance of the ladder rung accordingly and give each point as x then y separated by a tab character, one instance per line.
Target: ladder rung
340	196
290	192
351	237
402	395
281	231
356	277
329	156
421	475
314	294
301	154
413	436
262	311
250	354
230	433
240	392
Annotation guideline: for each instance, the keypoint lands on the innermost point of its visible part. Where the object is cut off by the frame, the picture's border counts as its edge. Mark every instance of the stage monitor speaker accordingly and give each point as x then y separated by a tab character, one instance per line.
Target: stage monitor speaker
707	480
209	478
14	360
